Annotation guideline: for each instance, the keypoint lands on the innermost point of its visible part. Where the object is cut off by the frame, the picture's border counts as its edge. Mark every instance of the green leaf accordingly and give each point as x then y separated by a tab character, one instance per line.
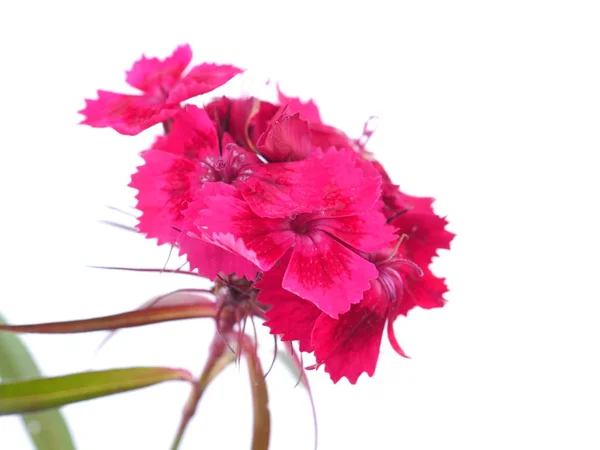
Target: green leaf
180	297
146	316
44	393
48	430
221	356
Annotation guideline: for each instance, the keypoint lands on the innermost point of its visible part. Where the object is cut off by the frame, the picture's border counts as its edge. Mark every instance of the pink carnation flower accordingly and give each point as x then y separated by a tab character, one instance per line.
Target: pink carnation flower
325	231
163	87
297	223
349	346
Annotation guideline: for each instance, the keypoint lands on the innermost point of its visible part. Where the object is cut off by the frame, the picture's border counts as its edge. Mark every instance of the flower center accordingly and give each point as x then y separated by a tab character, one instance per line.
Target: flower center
300	222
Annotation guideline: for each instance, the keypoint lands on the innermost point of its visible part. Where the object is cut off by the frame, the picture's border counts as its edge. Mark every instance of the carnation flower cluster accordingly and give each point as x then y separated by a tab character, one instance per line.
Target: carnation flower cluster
295	222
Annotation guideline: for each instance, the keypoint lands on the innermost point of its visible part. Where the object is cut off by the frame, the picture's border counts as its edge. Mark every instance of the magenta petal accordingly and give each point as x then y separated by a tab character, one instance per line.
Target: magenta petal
193	135
281	190
350	185
164	183
289	315
244	119
151	74
210	260
326	137
366	232
425	229
126	114
350	345
228	221
335	184
287	139
326	273
202	79
425	291
308	111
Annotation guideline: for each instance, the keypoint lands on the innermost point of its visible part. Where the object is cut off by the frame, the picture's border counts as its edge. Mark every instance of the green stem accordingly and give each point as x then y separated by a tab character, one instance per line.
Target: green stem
188	413
220	357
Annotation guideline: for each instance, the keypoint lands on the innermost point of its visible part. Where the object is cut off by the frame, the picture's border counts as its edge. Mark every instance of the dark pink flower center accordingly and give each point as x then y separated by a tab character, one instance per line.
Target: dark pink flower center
159	93
225	168
300	223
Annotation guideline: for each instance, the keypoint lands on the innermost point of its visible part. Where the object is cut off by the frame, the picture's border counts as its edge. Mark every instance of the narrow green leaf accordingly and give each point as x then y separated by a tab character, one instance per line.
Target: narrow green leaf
220	357
44	393
146	316
179	297
48	430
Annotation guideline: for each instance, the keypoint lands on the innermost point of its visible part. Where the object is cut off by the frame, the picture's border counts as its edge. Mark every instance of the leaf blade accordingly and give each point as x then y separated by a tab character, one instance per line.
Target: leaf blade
130	319
219	358
38	394
48	429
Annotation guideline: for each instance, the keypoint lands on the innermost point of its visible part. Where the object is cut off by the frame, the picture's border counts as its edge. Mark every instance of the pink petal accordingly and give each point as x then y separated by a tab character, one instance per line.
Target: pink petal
326	273
349	184
227	139
308	111
193	135
244	119
414	216
233	116
228	221
210	260
200	80
425	229
350	345
240	114
426	292
286	139
164	183
151	74
325	137
126	114
392	204
278	190
366	232
336	184
261	120
289	315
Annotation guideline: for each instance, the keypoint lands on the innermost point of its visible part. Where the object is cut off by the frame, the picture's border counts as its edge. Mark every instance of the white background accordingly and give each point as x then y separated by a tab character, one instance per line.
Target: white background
492	107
